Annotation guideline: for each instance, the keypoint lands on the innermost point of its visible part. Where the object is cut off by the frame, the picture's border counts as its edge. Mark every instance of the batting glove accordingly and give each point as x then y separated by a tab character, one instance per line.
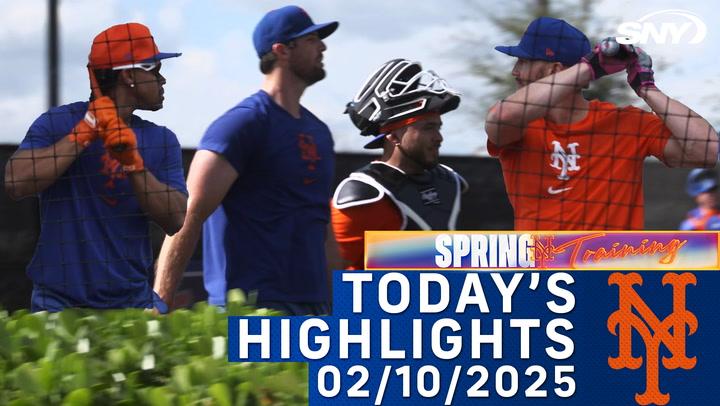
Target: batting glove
121	143
99	111
640	73
608	57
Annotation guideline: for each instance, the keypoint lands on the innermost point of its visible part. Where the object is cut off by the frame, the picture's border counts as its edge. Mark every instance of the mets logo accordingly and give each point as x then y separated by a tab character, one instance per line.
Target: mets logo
653	332
113	170
308	150
564	161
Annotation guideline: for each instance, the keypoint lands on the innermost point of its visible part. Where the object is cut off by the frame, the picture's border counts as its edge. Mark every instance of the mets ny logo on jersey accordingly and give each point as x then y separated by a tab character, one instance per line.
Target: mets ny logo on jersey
564	161
670	332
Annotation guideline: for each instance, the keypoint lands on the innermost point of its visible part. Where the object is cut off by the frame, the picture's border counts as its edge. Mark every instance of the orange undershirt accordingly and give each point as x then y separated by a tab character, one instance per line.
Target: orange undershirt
350	224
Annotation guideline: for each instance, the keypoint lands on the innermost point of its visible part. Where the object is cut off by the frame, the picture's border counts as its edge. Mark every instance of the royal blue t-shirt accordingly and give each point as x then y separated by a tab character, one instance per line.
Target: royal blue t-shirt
697	220
94	248
271	231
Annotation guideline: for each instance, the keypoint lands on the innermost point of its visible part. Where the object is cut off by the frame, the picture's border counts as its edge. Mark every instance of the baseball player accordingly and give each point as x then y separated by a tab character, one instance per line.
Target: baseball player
407	189
702	185
570	163
261	181
102	174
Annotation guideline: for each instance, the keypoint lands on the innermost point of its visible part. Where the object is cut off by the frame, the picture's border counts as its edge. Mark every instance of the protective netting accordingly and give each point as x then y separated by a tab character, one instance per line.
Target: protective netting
572	163
102	174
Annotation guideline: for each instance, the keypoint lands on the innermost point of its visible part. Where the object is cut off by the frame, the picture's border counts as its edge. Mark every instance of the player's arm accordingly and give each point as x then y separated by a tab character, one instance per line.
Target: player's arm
209	179
507	119
694	142
164	204
30	171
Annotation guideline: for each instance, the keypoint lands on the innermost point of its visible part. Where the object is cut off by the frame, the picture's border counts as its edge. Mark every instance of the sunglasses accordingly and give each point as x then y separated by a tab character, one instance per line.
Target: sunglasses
146	66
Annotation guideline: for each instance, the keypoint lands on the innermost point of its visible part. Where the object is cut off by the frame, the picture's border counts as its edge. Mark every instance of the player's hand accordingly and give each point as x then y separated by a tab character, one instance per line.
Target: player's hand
121	143
99	111
640	73
609	57
103	109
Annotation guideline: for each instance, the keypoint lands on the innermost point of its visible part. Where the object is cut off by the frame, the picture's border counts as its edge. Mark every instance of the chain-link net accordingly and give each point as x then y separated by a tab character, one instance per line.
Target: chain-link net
102	174
571	163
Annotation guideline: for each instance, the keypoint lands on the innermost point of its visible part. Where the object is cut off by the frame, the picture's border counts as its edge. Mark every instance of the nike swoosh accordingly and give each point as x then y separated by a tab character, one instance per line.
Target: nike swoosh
553	191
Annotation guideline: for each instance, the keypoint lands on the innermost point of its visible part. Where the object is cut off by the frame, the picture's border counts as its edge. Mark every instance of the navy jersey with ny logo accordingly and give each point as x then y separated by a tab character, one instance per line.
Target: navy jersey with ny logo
276	213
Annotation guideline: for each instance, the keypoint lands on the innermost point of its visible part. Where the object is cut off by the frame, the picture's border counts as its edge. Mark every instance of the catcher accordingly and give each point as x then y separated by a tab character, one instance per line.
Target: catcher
406	189
102	174
574	164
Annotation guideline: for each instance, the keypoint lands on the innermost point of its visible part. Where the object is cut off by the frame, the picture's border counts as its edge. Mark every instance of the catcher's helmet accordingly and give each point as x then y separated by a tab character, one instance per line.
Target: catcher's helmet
701	181
397	90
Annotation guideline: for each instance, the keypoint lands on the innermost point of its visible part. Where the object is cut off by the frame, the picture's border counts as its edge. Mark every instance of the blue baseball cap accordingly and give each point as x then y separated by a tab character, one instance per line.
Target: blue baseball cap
550	39
285	24
701	181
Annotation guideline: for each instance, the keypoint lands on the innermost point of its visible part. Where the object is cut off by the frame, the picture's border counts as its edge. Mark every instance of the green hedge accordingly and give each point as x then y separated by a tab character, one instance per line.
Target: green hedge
131	357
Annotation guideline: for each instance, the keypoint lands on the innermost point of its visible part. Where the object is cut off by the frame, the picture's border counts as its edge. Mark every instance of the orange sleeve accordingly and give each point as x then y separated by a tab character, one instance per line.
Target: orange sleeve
492	149
653	129
496	151
350	224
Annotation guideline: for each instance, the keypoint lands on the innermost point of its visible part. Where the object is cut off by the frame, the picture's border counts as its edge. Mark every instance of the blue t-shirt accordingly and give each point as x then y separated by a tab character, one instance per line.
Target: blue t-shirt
699	220
271	231
94	248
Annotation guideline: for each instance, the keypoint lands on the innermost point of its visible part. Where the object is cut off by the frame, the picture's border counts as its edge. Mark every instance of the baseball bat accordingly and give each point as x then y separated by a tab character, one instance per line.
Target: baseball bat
97	93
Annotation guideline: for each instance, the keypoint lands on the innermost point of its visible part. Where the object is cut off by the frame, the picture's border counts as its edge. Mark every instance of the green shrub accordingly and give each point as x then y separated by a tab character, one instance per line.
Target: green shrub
132	357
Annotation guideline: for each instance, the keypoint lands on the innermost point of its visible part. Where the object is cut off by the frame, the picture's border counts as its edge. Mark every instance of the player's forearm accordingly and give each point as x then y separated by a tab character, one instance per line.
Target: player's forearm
30	171
506	120
696	137
174	257
163	204
536	99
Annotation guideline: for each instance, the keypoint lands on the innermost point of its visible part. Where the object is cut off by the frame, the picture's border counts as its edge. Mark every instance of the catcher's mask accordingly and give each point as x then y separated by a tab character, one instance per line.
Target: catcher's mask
397	90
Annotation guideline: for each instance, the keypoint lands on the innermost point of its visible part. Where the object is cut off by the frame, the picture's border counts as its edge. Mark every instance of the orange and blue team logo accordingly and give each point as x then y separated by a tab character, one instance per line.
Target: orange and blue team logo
309	154
670	332
308	150
112	169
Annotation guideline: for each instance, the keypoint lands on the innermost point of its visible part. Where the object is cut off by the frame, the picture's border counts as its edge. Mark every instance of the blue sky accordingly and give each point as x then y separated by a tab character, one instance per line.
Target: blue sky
219	67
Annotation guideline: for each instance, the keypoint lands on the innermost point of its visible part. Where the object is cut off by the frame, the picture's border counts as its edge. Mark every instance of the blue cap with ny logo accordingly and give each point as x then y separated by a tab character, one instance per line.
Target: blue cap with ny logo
285	24
550	39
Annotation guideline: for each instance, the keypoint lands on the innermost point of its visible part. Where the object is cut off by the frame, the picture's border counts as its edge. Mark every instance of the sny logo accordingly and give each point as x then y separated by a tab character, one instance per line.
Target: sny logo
623	321
663	32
